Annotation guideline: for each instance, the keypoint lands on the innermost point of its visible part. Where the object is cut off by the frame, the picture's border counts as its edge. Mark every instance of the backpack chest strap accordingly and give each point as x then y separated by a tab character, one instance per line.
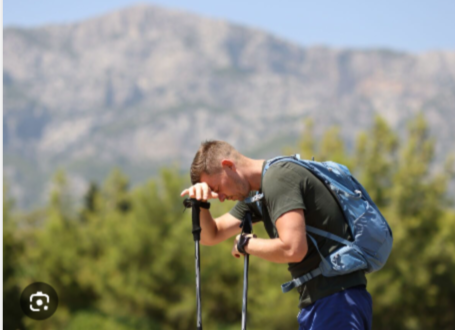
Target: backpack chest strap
286	287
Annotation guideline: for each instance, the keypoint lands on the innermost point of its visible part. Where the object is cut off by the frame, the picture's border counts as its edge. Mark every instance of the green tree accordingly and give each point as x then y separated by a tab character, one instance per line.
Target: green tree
125	259
12	248
408	292
330	147
51	255
307	144
376	160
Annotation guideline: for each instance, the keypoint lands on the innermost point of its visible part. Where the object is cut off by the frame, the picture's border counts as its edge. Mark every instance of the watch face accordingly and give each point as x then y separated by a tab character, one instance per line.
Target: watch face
39	301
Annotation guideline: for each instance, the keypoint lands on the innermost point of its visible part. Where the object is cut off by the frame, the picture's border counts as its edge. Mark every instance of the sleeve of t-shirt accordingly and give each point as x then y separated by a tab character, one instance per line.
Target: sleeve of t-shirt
238	211
283	192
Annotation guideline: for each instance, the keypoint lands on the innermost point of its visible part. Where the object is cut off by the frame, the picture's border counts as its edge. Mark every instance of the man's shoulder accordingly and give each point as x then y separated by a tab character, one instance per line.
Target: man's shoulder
286	169
282	176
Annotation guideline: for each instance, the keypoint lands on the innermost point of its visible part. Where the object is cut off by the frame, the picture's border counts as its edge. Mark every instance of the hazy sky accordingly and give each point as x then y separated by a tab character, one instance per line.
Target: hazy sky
415	26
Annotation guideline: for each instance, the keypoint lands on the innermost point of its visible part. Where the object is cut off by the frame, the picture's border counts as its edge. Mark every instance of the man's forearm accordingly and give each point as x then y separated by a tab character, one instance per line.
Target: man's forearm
208	228
274	250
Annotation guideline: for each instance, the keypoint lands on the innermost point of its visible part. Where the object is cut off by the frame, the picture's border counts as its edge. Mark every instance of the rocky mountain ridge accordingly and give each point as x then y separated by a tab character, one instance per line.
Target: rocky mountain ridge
141	87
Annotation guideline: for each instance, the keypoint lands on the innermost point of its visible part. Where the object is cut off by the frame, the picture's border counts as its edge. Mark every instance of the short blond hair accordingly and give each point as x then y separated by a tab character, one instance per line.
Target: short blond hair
208	157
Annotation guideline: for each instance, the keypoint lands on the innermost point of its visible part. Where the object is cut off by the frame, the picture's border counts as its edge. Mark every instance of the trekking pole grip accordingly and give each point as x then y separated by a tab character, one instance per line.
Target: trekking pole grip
196	213
195	216
196	210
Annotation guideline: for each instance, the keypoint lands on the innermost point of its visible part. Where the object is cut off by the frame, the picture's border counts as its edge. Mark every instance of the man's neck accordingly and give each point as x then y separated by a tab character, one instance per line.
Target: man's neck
254	173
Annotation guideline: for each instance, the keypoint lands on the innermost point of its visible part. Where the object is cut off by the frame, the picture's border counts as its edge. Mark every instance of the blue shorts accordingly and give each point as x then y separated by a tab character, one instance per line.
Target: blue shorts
350	309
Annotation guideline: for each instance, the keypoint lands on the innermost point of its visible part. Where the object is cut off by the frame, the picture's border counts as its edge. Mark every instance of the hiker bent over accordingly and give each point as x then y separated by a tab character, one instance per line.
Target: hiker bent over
293	198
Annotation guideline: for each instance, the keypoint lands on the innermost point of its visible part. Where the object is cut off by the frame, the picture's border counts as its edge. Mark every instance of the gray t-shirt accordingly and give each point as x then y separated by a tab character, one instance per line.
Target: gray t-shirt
288	186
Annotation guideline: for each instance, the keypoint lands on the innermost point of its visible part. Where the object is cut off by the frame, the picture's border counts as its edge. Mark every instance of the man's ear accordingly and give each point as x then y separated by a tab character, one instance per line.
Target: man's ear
228	163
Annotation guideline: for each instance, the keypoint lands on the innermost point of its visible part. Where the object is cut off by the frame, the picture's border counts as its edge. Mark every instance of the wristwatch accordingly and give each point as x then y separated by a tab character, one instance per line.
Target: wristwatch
243	241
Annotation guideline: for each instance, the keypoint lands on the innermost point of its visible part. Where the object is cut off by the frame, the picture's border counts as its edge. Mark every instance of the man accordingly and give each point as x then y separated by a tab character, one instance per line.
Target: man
293	197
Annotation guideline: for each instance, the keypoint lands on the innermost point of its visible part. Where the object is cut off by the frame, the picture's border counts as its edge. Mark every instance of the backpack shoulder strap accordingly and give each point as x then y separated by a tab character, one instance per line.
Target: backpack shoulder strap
328	235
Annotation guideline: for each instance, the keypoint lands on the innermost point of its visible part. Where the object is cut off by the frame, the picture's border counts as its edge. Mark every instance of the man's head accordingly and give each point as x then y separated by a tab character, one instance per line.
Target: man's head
217	164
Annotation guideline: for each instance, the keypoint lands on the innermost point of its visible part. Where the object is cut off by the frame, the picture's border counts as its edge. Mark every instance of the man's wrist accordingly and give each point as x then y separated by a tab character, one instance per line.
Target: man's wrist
243	242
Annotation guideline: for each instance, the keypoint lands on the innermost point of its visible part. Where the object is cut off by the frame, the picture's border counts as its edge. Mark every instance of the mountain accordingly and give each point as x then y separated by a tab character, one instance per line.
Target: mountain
141	87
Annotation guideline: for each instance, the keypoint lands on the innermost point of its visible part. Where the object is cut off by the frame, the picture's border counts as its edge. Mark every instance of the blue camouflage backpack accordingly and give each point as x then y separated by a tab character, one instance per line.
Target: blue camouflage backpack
372	235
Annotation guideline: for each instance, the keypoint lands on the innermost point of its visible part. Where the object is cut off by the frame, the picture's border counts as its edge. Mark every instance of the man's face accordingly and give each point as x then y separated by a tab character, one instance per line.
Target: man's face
227	184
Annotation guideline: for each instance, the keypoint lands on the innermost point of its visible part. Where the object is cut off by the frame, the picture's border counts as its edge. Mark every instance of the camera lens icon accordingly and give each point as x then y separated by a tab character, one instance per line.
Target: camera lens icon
35	298
39	301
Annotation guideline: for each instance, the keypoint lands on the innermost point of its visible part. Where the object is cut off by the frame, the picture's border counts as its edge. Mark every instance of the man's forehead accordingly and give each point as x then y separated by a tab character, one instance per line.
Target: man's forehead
211	180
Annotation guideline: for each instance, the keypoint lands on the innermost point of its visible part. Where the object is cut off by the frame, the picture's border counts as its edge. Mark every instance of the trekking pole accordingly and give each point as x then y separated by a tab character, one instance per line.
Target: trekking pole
195	205
247	228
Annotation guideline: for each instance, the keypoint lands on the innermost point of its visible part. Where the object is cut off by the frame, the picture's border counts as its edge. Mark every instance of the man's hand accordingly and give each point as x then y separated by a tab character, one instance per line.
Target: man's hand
235	253
200	191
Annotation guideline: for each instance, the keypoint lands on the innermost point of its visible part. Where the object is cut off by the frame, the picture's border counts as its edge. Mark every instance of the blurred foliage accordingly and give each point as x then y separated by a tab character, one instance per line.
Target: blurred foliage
12	249
125	259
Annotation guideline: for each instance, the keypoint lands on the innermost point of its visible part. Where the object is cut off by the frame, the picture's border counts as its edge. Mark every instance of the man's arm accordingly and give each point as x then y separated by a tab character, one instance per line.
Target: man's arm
216	230
290	246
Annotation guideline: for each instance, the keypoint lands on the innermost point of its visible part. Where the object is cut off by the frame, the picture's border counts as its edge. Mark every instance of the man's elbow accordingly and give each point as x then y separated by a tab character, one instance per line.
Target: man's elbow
297	255
206	242
210	240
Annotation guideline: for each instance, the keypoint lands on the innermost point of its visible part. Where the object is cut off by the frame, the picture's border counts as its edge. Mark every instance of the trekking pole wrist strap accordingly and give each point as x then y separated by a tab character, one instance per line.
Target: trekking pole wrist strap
243	241
201	204
190	202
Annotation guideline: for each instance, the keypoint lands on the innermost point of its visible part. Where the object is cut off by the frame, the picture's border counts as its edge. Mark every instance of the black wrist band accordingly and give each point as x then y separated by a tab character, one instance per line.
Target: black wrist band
243	241
204	205
189	202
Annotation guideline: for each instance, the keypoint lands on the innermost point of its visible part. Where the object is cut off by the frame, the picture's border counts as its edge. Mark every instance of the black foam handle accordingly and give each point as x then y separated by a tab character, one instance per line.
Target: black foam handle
196	211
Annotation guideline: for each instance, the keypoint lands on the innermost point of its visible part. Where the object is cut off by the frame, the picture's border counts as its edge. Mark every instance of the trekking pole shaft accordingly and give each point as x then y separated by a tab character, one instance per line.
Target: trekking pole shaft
198	288
245	291
196	230
247	228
